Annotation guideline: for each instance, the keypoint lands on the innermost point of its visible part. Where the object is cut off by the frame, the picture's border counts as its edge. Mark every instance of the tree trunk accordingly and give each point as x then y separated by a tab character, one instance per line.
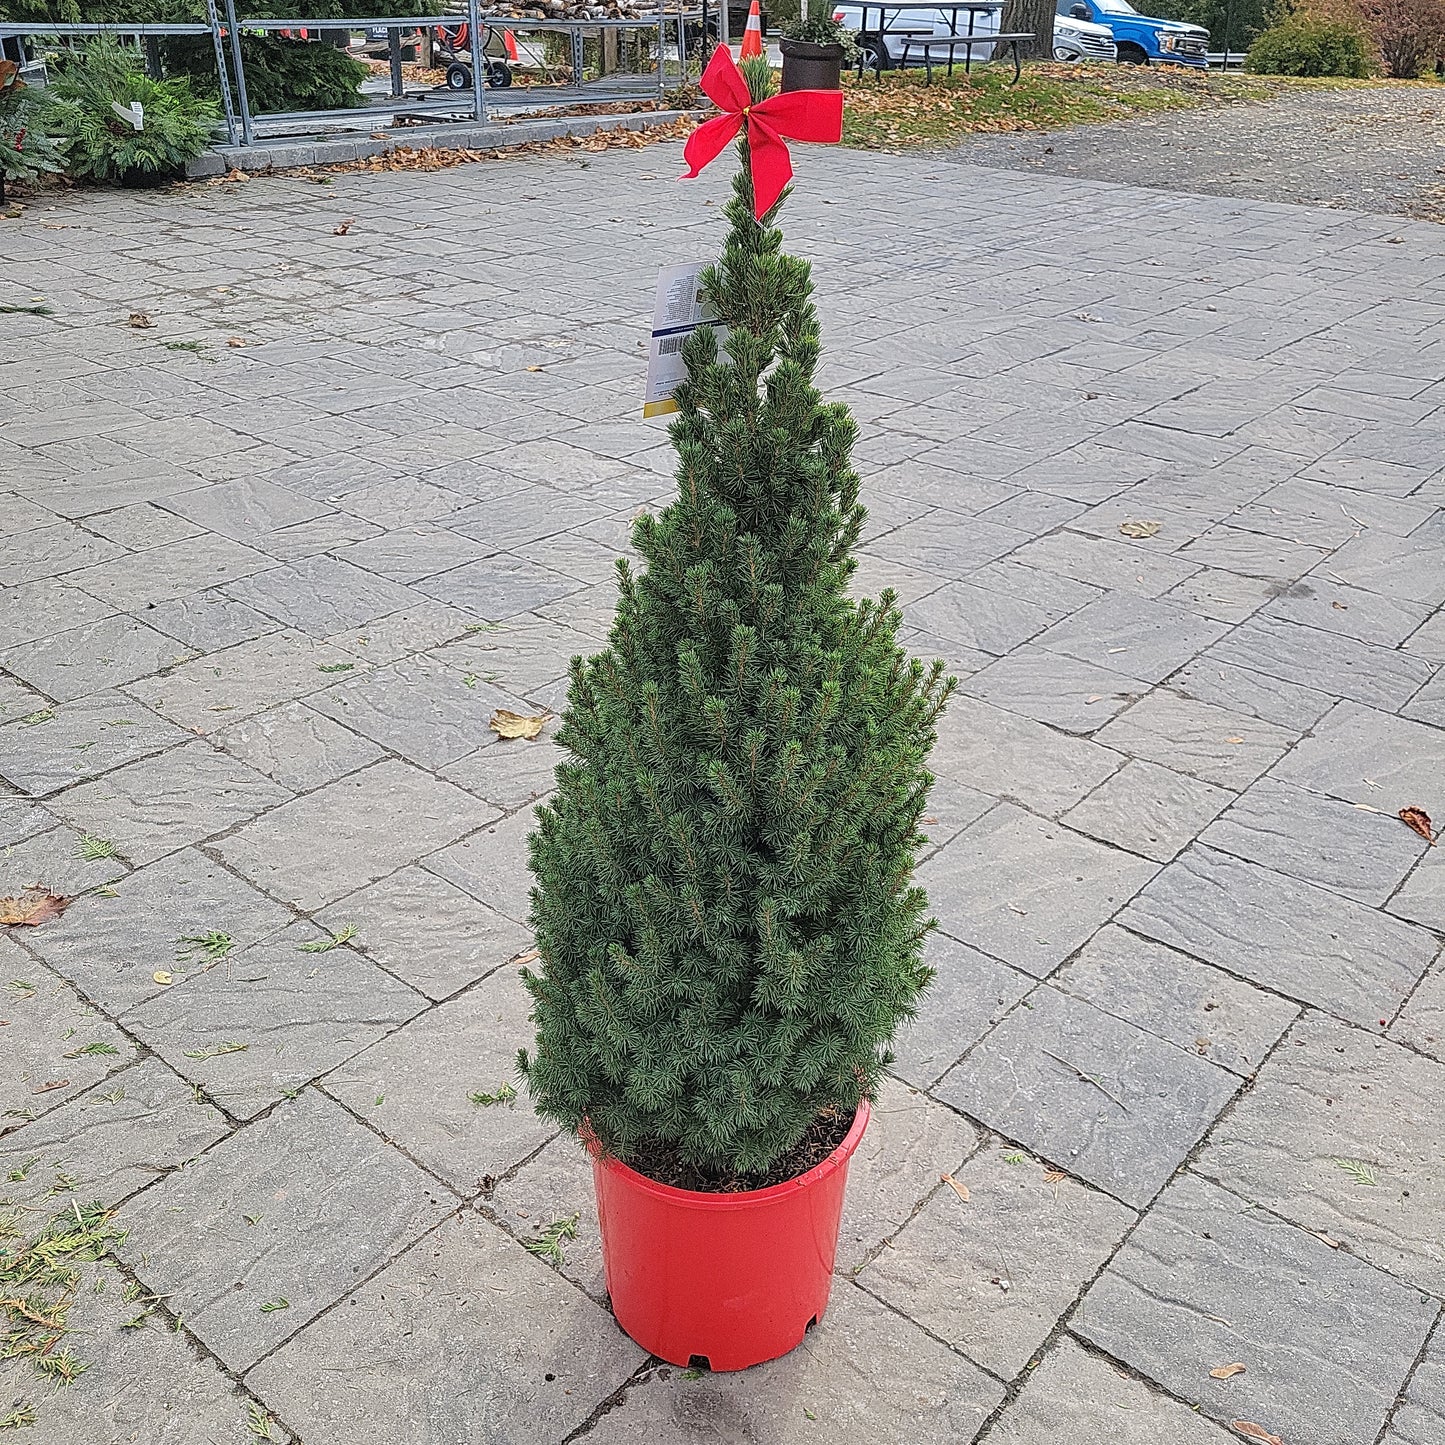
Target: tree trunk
1036	15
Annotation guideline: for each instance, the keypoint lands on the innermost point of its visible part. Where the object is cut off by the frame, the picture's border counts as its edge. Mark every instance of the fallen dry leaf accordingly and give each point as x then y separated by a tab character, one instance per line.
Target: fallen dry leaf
1234	740
234	176
140	321
1251	1431
1323	1238
1226	1372
163	976
530	956
534	368
1418	821
1139	529
34	906
235	341
45	1088
514	725
344	226
959	1189
1053	1176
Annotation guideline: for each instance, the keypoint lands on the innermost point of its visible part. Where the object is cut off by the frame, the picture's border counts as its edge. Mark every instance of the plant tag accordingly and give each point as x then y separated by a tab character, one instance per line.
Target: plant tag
678	311
134	113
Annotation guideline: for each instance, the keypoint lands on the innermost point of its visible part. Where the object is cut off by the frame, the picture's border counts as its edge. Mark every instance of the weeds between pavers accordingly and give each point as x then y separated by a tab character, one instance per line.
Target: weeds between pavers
39	1278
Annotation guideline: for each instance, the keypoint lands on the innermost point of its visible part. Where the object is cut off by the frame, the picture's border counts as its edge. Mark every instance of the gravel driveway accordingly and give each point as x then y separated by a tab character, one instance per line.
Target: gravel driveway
1375	149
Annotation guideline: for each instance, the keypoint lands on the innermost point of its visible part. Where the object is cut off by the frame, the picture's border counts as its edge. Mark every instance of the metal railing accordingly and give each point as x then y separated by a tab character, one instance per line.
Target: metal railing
225	28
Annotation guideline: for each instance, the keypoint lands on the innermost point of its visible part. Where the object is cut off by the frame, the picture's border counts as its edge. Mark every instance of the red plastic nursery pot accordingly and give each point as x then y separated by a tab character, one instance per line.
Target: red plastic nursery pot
735	1279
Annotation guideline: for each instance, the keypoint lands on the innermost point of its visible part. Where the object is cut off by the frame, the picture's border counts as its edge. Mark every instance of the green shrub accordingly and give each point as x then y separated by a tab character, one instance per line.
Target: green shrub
822	30
101	146
1306	46
26	151
725	908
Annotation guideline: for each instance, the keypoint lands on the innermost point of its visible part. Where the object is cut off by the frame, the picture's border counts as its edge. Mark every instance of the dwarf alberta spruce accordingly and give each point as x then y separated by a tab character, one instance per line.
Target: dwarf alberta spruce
727	928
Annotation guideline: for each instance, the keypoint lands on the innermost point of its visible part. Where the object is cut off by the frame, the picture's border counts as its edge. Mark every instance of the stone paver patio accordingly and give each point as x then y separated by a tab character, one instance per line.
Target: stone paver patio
1186	1049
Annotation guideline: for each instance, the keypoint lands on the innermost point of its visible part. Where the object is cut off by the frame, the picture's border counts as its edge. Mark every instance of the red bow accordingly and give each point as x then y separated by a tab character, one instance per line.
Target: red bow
815	115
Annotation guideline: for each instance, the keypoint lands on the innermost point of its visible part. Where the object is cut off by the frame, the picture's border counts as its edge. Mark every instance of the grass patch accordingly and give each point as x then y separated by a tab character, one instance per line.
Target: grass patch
900	111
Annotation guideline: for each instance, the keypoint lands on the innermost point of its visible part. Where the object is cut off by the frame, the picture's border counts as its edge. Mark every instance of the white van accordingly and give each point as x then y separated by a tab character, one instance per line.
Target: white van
1073	39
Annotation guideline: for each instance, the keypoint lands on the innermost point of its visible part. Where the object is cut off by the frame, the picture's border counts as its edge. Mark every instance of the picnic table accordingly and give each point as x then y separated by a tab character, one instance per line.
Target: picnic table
926	40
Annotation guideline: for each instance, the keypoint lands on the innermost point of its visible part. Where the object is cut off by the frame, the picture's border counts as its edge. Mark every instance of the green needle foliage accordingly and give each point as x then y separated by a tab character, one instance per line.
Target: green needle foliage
724	909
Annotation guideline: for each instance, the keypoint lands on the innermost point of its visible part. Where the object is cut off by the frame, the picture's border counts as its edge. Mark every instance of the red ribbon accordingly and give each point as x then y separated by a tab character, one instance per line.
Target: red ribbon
808	115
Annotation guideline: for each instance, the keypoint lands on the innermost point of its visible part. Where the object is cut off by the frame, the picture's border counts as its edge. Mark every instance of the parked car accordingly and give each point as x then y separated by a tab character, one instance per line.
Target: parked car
1074	39
1141	38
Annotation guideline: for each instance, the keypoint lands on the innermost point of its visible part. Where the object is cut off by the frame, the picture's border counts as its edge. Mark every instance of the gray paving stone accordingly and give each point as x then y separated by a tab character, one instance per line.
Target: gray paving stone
80	739
1308	657
427	931
18	701
160	574
344	1381
153	807
1016	758
1223	596
978	617
909	1139
55	860
946	1269
1428	705
21	819
970	992
414	1086
1350	611
1420	1420
190	1237
491	865
500	588
425	711
1211	743
1409	569
1148	809
864	1375
1289	936
948	544
321	595
1337	845
45	1020
110	946
1097	1096
511	776
1370	757
1421	1023
93	657
1252	554
297	747
1106	562
142	1382
215	691
1075	1395
1331	1093
411	553
209	621
51	552
1028	891
246	509
297	1014
1242	690
1052	590
142	525
112	1139
1050	687
1139	636
1177	998
322	846
1201	1280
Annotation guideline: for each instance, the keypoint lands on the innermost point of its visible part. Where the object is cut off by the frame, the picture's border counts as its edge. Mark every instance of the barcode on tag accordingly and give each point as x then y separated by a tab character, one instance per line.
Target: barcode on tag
670	345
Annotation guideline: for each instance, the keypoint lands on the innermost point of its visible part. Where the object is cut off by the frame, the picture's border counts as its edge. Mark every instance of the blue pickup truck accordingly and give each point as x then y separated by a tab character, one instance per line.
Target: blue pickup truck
1141	39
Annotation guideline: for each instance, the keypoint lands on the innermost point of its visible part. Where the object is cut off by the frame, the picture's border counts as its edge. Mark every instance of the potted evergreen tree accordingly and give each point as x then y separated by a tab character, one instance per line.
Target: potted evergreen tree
815	52
726	921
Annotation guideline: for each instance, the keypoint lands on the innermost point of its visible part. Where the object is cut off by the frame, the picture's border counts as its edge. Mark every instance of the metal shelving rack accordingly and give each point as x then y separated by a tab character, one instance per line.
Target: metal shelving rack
241	124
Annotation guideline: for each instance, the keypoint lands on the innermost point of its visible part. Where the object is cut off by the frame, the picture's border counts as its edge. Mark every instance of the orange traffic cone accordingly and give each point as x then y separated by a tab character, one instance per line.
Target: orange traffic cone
509	44
752	45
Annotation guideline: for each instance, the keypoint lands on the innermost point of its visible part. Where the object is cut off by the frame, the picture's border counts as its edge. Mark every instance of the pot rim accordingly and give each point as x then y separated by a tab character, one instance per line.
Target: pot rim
748	1198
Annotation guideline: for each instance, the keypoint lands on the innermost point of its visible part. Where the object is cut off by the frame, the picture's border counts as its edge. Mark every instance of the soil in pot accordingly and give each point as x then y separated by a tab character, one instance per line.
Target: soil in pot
664	1164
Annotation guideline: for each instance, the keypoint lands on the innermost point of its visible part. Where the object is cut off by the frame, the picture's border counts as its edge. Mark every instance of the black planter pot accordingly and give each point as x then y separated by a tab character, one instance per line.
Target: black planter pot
811	67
